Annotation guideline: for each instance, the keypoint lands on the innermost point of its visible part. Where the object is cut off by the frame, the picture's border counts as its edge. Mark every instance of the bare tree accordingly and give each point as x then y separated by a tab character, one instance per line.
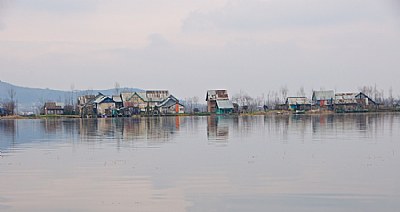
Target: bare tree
72	93
117	87
284	91
189	104
10	105
195	102
301	92
391	99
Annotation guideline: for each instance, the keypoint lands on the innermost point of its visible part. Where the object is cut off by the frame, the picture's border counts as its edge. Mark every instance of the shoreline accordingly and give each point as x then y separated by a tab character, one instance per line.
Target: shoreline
267	113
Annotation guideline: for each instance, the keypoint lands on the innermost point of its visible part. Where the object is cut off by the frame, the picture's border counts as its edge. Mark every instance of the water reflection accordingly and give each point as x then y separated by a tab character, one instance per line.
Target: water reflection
219	128
265	163
8	133
152	130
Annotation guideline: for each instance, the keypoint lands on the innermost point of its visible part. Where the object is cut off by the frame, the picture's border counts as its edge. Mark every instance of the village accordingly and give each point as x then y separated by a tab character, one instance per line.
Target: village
218	101
161	102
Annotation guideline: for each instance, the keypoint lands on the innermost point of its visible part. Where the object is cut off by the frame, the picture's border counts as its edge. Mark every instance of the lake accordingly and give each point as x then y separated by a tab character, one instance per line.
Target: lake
341	162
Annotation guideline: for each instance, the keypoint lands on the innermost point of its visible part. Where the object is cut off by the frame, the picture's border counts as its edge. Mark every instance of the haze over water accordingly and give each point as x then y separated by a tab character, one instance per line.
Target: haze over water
250	163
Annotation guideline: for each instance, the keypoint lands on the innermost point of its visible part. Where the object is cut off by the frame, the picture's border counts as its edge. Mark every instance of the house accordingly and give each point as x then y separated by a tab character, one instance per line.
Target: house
224	107
130	103
348	102
218	102
345	102
53	108
134	103
212	97
365	101
99	105
298	103
2	111
86	105
323	99
170	105
118	101
82	100
155	97
143	102
104	106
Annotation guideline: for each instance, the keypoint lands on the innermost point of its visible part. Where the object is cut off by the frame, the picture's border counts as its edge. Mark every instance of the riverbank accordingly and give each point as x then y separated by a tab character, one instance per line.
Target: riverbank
258	113
38	116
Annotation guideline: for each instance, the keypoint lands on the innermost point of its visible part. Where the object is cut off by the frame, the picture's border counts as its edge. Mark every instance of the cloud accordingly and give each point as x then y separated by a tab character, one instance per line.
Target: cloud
4	4
58	6
257	15
252	45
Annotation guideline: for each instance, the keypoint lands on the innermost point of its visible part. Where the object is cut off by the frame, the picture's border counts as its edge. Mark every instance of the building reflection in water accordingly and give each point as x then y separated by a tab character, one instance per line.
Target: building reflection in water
366	124
151	130
218	127
8	134
155	130
285	126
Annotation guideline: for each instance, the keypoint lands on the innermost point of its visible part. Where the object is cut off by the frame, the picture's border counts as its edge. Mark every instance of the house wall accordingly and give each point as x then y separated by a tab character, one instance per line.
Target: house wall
152	104
102	107
224	111
157	95
211	106
300	107
323	103
174	109
54	112
135	102
86	110
347	107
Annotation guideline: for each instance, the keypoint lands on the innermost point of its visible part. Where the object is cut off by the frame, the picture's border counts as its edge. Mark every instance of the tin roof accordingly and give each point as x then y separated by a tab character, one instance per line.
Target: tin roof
217	94
298	101
126	95
156	95
168	102
54	105
224	104
142	95
323	95
361	95
117	98
345	98
101	98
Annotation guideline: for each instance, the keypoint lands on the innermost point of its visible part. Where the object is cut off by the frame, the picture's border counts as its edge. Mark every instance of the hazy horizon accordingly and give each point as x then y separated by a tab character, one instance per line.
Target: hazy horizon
189	47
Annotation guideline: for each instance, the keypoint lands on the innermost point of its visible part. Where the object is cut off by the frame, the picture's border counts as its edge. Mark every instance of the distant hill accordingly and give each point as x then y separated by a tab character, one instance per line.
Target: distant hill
30	98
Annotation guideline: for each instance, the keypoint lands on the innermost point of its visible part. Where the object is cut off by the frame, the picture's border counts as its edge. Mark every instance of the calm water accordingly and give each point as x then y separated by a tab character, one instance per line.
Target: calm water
275	163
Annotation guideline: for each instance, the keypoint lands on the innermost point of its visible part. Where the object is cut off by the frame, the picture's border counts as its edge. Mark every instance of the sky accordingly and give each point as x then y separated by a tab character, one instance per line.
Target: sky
190	46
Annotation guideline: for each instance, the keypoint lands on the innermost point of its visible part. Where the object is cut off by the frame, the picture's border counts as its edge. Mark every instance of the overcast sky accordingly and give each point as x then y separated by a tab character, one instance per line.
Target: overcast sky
189	46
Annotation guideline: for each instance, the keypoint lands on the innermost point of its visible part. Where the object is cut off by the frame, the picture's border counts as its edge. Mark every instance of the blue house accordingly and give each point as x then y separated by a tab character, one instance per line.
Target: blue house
224	107
2	111
298	103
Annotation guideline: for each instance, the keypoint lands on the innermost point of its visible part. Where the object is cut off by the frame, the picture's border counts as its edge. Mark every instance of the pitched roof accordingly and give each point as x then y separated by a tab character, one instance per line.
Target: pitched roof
156	95
126	95
217	94
170	101
142	95
54	105
323	95
101	98
224	104
345	98
298	101
117	98
361	95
